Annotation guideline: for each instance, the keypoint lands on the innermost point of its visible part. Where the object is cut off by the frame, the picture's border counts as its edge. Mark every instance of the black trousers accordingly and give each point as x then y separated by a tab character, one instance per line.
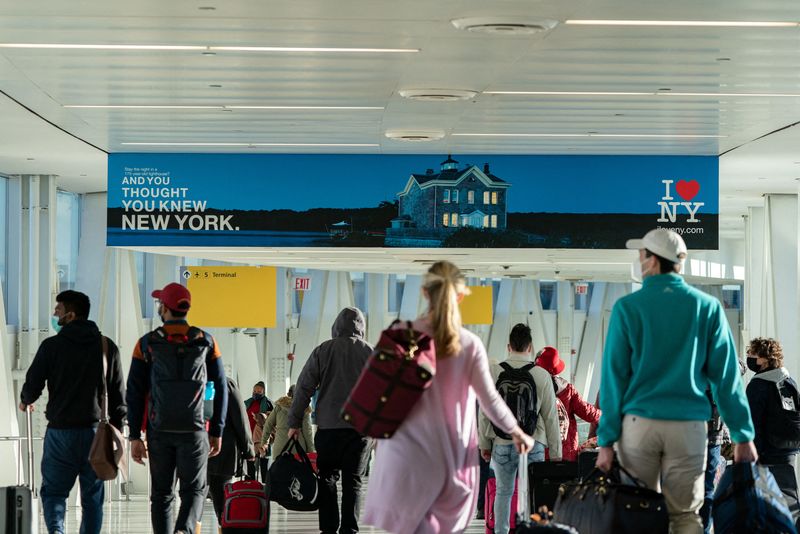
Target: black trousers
184	454
341	453
485	475
216	490
263	468
787	480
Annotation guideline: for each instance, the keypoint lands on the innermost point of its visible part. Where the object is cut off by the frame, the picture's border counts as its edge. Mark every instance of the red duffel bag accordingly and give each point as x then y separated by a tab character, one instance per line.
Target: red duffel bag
397	373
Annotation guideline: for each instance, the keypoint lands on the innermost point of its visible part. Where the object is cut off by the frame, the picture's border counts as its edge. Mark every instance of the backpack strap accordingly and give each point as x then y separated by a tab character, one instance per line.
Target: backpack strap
506	366
527	367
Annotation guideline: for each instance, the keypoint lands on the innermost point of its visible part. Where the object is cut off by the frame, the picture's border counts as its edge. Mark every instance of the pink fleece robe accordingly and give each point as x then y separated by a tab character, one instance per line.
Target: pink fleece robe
425	477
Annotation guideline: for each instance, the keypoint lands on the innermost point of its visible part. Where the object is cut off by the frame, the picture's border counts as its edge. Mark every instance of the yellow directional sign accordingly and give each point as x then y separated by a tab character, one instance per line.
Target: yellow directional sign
476	308
236	297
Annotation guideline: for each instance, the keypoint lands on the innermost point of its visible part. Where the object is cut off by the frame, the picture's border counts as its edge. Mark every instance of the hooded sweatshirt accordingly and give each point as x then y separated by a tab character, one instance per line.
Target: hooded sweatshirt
71	364
764	405
333	368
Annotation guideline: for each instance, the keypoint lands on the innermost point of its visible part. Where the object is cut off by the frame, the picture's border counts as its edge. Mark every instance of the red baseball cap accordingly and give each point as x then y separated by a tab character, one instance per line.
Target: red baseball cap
549	360
174	296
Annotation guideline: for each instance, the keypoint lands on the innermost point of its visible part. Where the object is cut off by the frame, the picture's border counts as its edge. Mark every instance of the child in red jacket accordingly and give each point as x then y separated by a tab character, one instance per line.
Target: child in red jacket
566	393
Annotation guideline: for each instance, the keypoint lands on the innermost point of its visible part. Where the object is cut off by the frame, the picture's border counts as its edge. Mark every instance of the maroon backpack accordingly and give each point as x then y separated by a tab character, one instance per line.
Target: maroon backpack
396	374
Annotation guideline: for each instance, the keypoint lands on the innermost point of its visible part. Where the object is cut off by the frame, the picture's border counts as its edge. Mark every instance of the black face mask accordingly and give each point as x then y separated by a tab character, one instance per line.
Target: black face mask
752	364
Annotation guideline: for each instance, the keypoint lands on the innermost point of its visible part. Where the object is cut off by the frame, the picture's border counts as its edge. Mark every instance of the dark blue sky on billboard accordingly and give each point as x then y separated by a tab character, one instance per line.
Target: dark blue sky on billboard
561	184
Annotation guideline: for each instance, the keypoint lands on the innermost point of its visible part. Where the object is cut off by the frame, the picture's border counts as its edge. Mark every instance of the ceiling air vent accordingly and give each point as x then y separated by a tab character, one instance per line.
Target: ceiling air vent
437	95
503	26
414	136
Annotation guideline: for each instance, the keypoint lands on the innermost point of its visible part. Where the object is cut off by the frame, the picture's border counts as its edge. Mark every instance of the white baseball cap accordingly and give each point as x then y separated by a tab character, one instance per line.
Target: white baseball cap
662	242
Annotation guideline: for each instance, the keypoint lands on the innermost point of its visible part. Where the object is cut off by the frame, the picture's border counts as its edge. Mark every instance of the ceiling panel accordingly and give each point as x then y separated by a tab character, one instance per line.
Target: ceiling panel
653	60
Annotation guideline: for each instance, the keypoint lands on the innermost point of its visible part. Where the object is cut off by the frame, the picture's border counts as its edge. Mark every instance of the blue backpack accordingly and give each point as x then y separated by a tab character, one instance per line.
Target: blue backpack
749	500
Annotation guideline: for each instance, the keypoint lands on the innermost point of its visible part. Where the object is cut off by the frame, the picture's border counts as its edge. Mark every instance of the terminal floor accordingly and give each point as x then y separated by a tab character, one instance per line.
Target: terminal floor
133	517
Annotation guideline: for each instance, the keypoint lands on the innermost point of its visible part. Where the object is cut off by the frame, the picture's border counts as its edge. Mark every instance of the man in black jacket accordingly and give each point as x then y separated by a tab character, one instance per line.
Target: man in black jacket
237	442
332	370
71	365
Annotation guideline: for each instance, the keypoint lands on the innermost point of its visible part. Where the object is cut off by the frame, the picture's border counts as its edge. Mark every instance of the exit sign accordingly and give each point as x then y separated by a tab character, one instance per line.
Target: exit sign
302	284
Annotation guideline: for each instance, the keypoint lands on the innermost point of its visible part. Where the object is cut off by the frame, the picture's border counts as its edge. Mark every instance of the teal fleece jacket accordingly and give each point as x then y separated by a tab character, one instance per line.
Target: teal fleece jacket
665	344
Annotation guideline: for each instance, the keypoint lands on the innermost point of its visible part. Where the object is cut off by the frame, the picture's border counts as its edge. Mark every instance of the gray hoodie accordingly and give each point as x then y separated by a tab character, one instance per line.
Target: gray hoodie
333	368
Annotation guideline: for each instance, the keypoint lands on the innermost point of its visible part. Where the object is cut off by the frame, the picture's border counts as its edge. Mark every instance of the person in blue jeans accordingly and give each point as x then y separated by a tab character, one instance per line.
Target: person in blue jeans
546	433
70	364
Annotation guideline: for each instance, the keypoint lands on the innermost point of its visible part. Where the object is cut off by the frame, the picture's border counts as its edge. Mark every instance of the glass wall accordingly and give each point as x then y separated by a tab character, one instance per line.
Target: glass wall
68	236
4	238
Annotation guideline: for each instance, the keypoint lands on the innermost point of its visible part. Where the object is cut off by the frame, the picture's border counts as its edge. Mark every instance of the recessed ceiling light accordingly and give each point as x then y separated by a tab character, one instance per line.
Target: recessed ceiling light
83	175
437	95
665	89
207	8
687	23
619	114
207	53
503	25
418	136
359	145
215	85
29	159
762	177
723	59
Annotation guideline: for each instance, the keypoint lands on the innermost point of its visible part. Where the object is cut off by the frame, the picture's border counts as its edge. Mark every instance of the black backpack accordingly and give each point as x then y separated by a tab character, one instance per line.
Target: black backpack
518	389
177	379
783	425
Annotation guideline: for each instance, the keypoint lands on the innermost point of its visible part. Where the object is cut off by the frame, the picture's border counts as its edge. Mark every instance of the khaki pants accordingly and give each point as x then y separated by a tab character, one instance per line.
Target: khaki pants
668	456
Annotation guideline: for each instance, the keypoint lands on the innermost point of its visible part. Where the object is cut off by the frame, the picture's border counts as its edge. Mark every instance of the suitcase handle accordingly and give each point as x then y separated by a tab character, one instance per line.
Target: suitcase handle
31	463
523	501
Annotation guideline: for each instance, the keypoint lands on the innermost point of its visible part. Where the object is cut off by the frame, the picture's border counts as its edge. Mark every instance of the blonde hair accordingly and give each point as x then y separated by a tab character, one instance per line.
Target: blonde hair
443	283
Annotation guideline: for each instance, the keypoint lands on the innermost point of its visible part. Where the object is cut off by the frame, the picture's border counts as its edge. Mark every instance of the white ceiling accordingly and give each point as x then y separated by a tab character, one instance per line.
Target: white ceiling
570	58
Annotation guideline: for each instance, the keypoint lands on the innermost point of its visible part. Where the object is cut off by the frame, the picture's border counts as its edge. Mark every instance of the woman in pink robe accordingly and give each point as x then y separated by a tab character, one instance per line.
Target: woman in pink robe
425	477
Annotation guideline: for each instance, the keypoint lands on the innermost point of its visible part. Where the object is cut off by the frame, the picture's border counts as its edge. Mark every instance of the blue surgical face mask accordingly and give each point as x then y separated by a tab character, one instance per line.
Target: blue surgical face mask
54	323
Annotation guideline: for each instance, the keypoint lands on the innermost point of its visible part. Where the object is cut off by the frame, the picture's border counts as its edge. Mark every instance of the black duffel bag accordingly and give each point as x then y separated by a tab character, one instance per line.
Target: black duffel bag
293	483
604	504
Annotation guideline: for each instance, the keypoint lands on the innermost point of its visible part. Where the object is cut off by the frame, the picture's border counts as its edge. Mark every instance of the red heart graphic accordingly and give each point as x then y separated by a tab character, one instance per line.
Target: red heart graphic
687	190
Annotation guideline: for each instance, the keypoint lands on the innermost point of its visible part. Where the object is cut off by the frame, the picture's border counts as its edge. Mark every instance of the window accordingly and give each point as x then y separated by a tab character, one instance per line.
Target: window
359	291
464	220
454	196
397	283
548	292
470	197
486	221
446	198
485	197
446	219
732	297
494	197
68	234
494	221
454	219
3	237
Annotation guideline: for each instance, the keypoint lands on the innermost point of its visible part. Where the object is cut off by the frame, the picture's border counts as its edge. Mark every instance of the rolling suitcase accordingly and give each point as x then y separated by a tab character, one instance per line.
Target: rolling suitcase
526	522
19	505
488	511
546	478
246	508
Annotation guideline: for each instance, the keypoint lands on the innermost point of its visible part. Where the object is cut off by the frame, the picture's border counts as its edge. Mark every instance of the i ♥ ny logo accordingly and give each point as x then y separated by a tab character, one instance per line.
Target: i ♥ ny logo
687	190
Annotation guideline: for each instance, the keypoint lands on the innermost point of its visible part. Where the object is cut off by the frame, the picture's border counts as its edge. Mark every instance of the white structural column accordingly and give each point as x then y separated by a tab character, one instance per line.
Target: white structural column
565	324
330	292
590	356
413	303
518	301
778	284
277	342
9	425
377	311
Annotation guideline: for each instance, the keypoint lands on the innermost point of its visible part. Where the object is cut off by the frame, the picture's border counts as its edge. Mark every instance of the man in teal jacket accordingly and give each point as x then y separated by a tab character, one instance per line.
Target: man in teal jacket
666	343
